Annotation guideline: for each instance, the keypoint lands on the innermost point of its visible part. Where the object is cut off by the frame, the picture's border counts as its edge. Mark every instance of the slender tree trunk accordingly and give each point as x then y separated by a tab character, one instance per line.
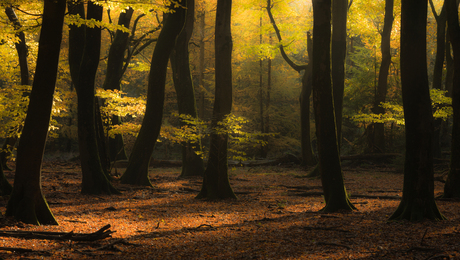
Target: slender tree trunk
441	20
378	138
202	32
215	182
418	191
308	157
192	163
330	169
137	170
27	203
113	79
452	186
94	179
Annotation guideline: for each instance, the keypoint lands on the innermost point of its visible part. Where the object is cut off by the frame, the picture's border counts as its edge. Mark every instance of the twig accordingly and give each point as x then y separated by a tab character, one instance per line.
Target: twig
102	233
423	237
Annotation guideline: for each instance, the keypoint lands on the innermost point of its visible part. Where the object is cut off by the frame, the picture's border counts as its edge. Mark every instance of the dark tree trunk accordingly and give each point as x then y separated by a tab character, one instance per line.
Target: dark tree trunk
338	54
330	169
452	186
192	163
418	191
137	170
378	138
308	157
5	186
94	179
21	49
441	20
215	182
27	203
202	32
113	79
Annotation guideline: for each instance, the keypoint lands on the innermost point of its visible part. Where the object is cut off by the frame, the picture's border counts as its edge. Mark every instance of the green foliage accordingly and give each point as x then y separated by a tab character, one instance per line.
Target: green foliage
13	108
442	107
117	103
194	130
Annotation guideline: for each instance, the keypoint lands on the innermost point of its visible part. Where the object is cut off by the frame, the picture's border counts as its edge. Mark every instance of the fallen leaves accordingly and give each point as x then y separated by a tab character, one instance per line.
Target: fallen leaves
268	221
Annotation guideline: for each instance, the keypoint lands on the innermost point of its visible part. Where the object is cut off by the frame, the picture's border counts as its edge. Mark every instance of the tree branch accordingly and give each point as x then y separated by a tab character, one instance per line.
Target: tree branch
296	67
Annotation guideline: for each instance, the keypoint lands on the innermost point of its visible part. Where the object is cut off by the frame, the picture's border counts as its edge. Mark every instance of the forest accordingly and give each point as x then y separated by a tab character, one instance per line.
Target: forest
220	129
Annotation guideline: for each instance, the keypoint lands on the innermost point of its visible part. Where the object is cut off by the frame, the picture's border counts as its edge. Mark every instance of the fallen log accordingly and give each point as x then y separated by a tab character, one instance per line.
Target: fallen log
102	233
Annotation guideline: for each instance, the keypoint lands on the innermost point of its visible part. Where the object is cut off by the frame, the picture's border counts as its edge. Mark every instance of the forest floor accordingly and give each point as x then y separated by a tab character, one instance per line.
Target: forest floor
275	217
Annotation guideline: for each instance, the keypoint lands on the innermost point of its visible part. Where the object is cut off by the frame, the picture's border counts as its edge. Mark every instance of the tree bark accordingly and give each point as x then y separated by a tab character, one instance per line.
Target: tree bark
94	179
418	190
27	202
378	133
452	186
215	182
113	79
335	194
308	156
192	163
137	170
338	54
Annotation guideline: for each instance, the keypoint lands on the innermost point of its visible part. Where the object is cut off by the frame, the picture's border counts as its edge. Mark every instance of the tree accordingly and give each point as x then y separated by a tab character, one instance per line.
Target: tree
441	20
215	182
192	163
452	186
94	179
113	77
137	170
330	169
27	203
338	54
418	190
308	157
377	130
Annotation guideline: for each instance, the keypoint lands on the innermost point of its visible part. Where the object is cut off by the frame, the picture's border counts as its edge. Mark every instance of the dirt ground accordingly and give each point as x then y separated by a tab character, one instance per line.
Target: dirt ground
275	217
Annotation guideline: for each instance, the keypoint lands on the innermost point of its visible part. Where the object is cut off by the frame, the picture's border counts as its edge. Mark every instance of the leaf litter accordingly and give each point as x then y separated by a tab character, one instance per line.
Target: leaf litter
275	217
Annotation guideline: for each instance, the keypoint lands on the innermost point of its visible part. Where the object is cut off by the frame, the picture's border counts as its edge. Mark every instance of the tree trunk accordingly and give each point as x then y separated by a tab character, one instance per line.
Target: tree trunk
335	194
338	54
27	202
378	138
452	186
5	186
308	157
438	69
215	182
202	88
94	180
418	191
137	170
192	163
113	79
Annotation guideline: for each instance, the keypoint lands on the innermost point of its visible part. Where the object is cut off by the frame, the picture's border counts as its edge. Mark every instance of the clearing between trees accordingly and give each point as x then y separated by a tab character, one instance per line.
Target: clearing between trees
275	217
